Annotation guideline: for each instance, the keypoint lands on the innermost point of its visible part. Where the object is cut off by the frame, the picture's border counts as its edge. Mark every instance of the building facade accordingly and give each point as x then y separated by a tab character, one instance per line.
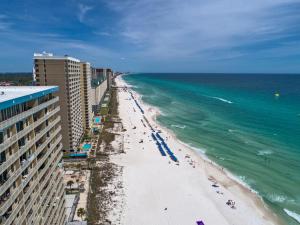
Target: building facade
99	87
31	182
109	74
65	73
86	101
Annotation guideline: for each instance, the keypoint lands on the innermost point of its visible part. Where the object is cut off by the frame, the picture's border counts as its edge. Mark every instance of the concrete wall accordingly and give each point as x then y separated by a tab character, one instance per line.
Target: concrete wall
65	74
97	94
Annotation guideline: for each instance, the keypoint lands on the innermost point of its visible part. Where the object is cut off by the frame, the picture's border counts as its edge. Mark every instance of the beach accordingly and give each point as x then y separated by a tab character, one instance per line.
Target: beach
158	190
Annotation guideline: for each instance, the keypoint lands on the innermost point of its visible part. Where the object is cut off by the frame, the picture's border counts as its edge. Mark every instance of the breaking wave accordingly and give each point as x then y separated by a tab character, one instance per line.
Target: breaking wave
294	215
276	198
265	152
221	99
178	126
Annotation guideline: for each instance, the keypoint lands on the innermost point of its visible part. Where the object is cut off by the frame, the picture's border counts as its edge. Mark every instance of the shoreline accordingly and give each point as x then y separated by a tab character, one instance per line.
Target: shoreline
211	169
199	152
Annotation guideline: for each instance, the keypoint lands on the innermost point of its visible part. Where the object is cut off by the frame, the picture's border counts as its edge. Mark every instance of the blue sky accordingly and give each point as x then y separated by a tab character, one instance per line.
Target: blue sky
155	35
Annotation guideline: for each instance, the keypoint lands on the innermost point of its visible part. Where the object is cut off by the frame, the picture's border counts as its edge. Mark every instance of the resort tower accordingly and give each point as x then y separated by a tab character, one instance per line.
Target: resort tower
86	95
31	180
64	72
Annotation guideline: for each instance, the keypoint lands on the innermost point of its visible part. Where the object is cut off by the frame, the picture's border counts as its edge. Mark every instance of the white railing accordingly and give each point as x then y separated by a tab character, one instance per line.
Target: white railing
38	194
10	161
10	181
41	162
46	203
44	131
19	172
34	155
28	145
10	201
46	116
42	146
10	141
27	113
29	206
31	189
14	214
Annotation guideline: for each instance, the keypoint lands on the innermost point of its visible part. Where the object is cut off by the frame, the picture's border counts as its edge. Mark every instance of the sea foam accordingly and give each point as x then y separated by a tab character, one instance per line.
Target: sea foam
178	126
265	152
276	198
294	215
223	100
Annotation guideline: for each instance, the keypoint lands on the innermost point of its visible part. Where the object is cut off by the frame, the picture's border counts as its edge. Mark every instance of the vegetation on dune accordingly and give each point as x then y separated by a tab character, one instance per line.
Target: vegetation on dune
103	171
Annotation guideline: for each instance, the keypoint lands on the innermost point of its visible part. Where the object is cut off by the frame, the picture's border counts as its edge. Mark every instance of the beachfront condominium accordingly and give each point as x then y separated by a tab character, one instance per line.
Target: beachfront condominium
109	73
63	71
31	180
99	87
86	101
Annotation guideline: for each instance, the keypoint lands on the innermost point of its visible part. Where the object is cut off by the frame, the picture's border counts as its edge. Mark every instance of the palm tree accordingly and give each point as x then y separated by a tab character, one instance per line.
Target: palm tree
81	212
70	183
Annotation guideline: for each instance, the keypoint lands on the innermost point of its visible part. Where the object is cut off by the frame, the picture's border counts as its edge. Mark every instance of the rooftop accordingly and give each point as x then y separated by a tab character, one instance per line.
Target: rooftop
12	95
45	55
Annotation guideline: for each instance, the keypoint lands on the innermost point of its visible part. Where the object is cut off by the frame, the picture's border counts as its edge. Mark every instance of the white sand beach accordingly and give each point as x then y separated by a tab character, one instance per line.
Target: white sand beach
159	191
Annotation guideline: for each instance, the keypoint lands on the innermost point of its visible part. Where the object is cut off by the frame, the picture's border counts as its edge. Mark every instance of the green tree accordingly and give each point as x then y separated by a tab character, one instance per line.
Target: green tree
81	213
70	183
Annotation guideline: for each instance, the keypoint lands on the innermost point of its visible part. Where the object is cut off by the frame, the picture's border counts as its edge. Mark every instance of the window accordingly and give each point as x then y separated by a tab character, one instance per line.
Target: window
1	137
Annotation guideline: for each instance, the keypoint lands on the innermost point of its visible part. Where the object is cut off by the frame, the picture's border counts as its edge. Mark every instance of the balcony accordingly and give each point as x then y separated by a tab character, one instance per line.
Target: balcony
13	214
49	188
34	170
10	180
27	113
17	173
46	203
49	139
24	132
46	129
11	199
8	142
29	206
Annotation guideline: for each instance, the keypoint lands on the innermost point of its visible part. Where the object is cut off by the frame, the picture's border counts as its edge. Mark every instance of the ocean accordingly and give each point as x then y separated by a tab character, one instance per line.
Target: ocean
246	123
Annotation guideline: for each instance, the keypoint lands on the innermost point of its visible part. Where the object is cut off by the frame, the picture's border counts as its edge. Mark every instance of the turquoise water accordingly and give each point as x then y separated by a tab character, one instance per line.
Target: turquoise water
97	120
247	123
86	147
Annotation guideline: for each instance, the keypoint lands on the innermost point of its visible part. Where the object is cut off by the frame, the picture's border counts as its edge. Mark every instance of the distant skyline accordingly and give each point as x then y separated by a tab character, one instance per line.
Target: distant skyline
155	35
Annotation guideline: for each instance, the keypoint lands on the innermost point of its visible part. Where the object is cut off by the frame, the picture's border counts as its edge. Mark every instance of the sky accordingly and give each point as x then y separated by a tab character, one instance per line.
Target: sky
257	36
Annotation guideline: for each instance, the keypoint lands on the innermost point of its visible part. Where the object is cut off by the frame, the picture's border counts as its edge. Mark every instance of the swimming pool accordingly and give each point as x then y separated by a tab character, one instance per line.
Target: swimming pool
97	120
79	155
86	147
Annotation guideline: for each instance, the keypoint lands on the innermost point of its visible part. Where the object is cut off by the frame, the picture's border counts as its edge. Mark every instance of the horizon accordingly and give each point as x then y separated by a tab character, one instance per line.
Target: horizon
213	73
155	35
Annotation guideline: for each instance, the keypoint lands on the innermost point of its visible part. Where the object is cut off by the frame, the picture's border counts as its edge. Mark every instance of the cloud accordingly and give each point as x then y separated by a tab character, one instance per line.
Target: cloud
176	28
179	35
4	24
83	9
102	33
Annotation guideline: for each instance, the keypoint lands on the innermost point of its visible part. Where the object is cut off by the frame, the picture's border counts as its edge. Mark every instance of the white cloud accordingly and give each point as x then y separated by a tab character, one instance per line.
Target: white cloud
4	24
102	33
176	28
83	9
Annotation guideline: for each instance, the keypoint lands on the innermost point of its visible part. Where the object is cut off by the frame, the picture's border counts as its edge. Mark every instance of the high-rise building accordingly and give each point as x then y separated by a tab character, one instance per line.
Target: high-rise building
103	74
86	101
99	87
109	74
64	72
31	181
